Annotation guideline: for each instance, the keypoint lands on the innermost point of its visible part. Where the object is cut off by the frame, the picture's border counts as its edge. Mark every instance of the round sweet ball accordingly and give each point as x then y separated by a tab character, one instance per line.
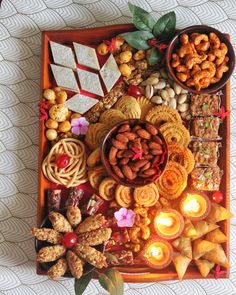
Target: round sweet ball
61	96
75	116
51	134
125	56
56	89
64	126
125	70
49	94
51	124
102	49
58	112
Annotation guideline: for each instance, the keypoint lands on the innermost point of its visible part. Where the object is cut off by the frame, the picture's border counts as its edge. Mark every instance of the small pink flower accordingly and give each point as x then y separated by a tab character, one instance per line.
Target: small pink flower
79	126
124	217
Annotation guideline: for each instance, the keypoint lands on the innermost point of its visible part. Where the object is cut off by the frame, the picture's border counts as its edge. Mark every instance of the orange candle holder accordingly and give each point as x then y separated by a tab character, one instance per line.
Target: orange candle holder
168	223
195	206
157	253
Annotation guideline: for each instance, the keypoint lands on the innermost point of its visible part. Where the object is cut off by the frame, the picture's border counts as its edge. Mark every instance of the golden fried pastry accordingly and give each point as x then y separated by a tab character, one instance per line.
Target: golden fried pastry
73	215
173	181
183	245
107	188
96	175
175	133
189	229
111	117
124	196
91	223
58	270
58	112
95	134
94	158
181	264
50	253
216	236
182	155
95	237
217	256
203	227
59	222
218	213
146	195
91	255
201	247
47	234
204	266
145	105
129	106
75	264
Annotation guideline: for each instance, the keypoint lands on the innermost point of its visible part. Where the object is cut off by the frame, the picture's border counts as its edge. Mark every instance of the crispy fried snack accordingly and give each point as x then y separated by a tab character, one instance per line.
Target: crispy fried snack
182	155
59	222
96	175
73	215
58	270
47	234
75	264
95	134
95	237
124	195
91	255
145	105
146	195
111	117
51	253
91	223
175	133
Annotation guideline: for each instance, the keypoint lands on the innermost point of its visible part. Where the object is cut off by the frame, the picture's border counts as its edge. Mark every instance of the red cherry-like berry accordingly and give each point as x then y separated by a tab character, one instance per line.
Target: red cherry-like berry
69	240
217	197
135	91
63	161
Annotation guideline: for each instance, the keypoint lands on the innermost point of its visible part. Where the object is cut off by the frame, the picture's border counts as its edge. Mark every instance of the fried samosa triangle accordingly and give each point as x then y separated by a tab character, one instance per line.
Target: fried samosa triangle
218	213
203	227
216	236
217	256
201	247
189	229
181	264
204	266
183	245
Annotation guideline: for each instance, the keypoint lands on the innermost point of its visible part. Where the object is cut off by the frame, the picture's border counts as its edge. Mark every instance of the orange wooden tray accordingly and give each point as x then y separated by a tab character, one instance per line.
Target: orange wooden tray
94	36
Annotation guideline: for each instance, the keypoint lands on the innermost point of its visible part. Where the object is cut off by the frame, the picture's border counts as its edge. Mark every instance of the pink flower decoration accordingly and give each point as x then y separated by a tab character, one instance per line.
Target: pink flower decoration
124	217
79	126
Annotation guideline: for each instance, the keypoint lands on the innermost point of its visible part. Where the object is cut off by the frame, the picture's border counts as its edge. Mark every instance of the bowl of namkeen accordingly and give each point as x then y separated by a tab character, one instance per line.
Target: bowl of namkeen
134	153
200	59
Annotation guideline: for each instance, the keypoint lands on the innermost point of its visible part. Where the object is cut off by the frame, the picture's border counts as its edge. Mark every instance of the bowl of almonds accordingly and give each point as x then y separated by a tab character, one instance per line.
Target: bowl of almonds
134	153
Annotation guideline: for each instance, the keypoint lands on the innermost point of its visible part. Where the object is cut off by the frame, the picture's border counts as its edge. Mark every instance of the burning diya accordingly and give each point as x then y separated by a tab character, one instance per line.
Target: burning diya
157	253
168	223
195	206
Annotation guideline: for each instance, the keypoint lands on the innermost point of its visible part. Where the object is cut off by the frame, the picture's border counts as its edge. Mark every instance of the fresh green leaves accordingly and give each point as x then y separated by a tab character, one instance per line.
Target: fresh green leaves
82	283
138	39
112	281
165	26
141	18
154	57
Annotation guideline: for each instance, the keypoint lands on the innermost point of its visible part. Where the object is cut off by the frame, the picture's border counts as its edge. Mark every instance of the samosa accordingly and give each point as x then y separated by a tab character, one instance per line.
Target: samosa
201	247
189	229
218	213
216	236
204	266
203	227
183	245
217	256
181	264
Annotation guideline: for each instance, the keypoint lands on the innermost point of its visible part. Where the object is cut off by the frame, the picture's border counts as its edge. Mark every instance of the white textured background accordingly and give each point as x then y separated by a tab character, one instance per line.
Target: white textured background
21	23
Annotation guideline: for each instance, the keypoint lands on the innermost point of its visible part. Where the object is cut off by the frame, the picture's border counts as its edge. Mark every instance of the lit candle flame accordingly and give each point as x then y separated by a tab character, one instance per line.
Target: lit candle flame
167	221
192	206
156	252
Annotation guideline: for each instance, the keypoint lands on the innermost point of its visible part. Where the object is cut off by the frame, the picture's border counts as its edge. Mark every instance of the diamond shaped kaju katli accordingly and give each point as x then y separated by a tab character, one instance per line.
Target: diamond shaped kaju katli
80	103
63	55
86	56
110	72
65	78
90	82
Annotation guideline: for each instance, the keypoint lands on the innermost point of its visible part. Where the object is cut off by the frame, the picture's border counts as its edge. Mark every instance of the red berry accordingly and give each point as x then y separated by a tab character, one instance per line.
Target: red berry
135	91
62	161
217	197
69	240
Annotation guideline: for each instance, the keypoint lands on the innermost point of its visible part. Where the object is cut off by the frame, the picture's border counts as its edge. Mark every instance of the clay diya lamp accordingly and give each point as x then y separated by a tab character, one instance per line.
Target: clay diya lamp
157	253
195	206
168	223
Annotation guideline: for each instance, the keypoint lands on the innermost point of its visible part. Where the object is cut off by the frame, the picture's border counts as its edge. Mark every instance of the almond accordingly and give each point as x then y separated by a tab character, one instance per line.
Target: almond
151	129
124	128
157	139
143	133
155	145
156	159
156	152
144	148
145	167
124	161
128	154
127	172
122	138
130	135
148	157
112	155
150	171
135	128
118	144
117	171
120	154
140	163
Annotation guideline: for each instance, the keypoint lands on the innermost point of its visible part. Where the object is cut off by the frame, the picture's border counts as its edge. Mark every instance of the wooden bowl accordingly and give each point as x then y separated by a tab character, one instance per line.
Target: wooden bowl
174	43
106	145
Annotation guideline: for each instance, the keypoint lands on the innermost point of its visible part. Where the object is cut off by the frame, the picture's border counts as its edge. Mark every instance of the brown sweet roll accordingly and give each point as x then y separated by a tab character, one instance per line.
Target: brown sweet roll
75	196
54	199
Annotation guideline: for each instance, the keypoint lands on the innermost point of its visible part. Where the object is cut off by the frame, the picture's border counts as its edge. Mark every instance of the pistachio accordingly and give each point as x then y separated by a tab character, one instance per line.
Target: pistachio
183	107
152	81
156	99
171	92
149	91
173	103
165	95
184	90
160	85
177	88
157	75
182	98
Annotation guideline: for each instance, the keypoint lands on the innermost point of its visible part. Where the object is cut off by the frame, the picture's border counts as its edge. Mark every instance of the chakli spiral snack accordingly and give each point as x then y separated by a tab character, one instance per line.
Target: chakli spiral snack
95	134
146	195
124	195
145	105
74	173
175	133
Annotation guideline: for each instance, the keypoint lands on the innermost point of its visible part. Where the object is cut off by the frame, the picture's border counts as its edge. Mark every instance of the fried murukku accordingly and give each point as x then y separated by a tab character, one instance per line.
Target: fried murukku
111	117
146	195
160	115
129	106
181	155
145	105
95	134
173	181
107	188
175	133
124	195
96	175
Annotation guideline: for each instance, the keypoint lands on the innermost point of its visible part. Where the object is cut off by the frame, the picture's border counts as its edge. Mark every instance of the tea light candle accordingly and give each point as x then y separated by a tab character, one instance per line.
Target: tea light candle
168	223
157	253
195	206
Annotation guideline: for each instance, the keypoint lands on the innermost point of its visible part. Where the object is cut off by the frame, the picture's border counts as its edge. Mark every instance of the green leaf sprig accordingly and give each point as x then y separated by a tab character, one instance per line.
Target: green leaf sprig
151	34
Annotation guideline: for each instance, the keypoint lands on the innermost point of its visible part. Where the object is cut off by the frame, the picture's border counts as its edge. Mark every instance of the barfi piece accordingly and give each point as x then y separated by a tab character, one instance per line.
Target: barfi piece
90	82
205	153
65	78
118	238
206	179
206	127
92	205
86	56
123	257
80	103
204	104
54	199
62	55
110	72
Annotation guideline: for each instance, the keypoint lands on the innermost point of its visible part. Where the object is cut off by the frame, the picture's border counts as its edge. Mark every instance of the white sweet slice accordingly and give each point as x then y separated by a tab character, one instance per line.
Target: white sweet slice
90	82
65	77
80	103
62	55
86	56
110	72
